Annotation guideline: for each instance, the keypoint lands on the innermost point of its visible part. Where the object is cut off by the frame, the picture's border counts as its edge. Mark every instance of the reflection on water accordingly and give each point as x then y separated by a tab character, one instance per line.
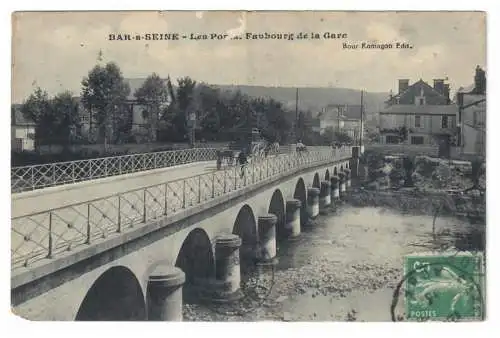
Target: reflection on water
345	265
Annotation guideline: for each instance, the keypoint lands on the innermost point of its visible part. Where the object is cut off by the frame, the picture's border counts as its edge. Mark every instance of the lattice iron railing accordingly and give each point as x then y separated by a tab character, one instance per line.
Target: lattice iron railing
48	175
47	234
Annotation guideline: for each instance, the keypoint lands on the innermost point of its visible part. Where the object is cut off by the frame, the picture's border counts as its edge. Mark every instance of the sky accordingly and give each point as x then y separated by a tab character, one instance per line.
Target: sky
56	50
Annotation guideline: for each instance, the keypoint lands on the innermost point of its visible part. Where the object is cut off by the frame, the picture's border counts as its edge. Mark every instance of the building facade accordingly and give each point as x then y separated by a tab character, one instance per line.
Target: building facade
472	104
22	133
419	114
341	118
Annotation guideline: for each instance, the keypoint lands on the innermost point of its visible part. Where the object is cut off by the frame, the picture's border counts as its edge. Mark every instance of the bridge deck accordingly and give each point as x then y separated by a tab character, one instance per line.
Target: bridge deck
31	202
79	214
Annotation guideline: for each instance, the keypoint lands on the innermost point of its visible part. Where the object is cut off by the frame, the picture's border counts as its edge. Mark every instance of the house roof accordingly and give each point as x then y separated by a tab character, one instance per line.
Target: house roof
450	109
410	87
467	89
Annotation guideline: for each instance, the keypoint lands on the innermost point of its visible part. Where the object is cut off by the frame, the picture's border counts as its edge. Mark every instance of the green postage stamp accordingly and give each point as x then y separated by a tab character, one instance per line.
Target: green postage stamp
444	286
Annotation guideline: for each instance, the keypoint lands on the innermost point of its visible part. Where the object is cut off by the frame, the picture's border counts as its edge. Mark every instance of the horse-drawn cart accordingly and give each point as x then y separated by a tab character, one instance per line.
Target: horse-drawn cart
243	140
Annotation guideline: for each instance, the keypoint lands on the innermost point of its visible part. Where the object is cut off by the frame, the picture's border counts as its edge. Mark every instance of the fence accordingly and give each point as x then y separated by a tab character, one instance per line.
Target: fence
52	174
128	147
52	232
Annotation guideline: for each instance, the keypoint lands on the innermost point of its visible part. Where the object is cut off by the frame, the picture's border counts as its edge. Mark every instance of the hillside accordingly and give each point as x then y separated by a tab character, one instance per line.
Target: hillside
310	98
313	98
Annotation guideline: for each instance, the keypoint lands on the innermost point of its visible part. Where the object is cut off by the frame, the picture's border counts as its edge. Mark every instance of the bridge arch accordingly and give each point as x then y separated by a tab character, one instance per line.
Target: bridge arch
300	194
316	181
327	175
115	296
277	207
246	227
196	259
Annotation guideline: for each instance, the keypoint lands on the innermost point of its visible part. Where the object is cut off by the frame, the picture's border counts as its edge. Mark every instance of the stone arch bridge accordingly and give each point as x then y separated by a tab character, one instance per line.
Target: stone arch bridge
106	277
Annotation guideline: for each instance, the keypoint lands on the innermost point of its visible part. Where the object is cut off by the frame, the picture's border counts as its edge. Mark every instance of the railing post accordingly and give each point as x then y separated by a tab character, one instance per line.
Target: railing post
224	180
144	205
213	185
120	165
49	254
253	173
53	173
119	225
73	171
235	182
88	224
184	194
166	198
32	178
199	189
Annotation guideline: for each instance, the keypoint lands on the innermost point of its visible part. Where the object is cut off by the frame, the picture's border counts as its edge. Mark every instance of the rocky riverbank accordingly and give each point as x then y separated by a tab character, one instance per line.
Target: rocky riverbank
344	268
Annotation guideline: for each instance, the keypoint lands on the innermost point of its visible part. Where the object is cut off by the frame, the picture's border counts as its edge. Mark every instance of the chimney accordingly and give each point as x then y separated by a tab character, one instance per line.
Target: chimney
403	85
446	93
439	86
480	81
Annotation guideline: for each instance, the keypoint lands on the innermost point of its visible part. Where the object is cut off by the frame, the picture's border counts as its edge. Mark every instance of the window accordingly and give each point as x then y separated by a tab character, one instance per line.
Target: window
418	122
421	100
392	139
417	140
444	122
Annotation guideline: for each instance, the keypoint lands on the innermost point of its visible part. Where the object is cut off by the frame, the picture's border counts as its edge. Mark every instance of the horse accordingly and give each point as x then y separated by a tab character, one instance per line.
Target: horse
259	150
301	148
272	149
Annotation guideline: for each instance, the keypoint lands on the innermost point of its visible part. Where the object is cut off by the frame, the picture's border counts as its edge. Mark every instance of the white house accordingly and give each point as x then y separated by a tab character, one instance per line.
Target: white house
22	131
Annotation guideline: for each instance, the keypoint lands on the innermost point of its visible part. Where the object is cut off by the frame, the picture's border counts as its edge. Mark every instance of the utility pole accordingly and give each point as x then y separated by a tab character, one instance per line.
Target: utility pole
296	114
361	124
338	119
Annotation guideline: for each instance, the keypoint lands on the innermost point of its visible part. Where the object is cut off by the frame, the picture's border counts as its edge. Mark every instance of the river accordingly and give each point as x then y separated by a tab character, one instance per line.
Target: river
344	267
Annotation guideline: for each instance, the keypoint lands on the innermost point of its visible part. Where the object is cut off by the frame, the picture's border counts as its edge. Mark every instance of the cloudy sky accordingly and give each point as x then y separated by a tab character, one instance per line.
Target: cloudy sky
56	50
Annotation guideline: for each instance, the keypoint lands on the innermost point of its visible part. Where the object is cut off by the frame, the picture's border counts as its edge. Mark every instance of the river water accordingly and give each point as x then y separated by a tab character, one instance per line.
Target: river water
343	267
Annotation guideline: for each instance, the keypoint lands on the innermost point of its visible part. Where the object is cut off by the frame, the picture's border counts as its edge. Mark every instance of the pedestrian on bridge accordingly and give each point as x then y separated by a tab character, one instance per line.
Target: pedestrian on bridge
243	161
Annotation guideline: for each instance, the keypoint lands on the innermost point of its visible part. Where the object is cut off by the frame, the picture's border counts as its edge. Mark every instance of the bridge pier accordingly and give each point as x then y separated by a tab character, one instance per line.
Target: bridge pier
165	294
342	181
325	199
226	286
267	238
292	220
312	202
335	188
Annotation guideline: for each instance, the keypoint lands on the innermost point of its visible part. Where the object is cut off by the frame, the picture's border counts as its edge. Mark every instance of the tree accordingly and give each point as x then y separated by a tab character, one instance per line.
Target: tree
67	119
104	95
183	102
154	95
37	108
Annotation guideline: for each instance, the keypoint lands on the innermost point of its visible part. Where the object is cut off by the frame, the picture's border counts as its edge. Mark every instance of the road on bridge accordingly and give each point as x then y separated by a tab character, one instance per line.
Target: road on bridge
30	202
83	212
